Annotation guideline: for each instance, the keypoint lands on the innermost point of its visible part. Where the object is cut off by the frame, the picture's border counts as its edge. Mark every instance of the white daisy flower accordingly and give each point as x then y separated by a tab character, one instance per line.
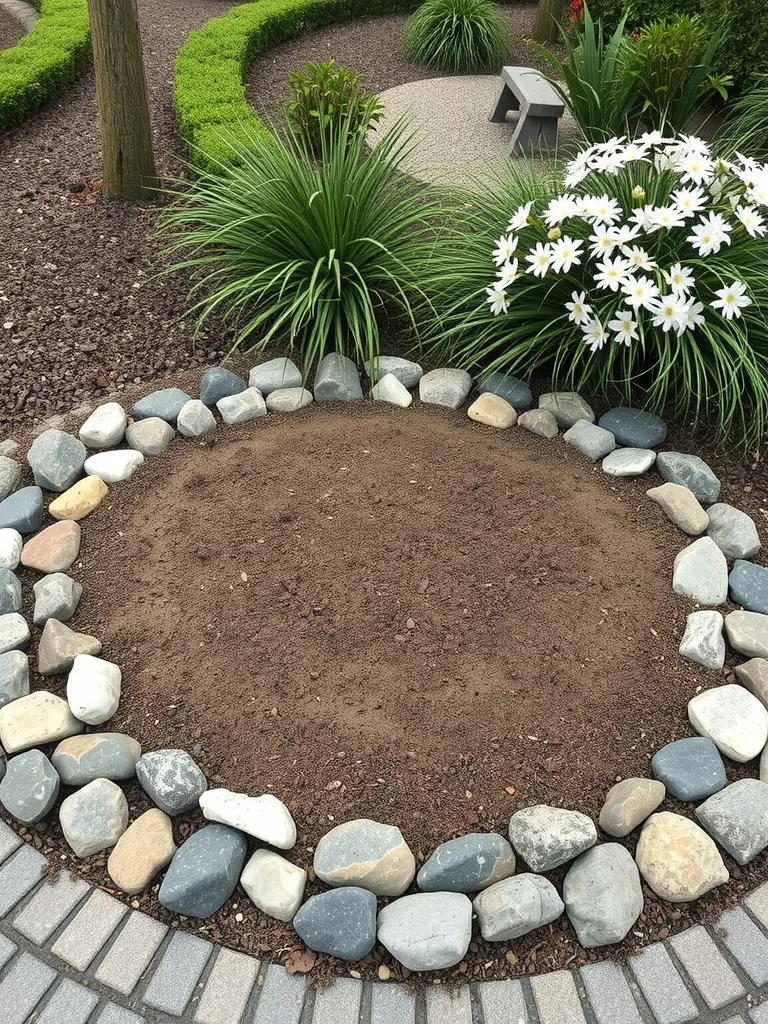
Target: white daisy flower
638	258
508	273
693	314
579	310
641	215
731	300
689	201
595	335
519	218
654	138
611	273
669	313
640	291
710	234
605	210
636	151
497	299
697	167
624	328
603	242
560	209
565	253
751	219
539	258
680	279
505	248
758	192
665	217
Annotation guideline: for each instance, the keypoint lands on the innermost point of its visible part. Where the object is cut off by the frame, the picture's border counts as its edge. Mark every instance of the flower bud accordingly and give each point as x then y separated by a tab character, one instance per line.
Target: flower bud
553	234
638	192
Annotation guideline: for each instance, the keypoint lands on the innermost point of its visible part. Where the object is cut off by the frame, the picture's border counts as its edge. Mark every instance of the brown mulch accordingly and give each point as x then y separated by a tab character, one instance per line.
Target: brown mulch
11	30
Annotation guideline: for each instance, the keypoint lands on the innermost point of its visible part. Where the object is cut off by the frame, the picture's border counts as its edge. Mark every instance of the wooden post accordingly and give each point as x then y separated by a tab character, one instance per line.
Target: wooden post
121	88
549	14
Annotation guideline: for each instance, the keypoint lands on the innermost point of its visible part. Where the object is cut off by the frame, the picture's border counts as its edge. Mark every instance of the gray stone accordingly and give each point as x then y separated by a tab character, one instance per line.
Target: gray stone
195	419
166	404
689	471
763	769
691	769
275	375
151	436
445	386
747	633
737	818
628	803
567	407
60	645
14	632
94	818
368	854
677	858
703	640
408	373
14	676
246	405
602	894
57	460
171	779
10	592
389	389
512	389
590	440
10	476
218	383
11	546
733	531
96	755
634	428
428	931
749	586
701	572
733	718
204	871
56	597
467	864
539	421
629	461
23	510
341	922
105	427
288	400
337	380
753	674
516	906
546	837
30	787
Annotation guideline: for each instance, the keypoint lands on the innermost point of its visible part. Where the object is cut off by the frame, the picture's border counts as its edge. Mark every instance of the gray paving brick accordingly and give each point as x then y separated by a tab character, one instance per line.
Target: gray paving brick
391	1004
282	997
70	1004
735	1020
339	1003
228	987
23	987
760	1014
746	943
7	949
89	930
662	986
706	967
446	1007
112	1014
757	904
18	875
171	986
610	995
557	999
9	841
49	907
503	1002
131	953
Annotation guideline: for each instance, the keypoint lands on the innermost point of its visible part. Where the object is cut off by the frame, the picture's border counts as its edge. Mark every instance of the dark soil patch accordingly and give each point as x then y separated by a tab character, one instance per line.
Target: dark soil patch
11	30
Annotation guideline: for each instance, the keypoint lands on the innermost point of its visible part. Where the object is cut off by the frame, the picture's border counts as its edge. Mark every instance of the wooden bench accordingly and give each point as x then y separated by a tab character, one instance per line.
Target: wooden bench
540	108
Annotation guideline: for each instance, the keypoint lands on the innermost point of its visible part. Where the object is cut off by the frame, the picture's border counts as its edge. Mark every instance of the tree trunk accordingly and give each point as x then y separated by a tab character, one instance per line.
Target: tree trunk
126	134
549	14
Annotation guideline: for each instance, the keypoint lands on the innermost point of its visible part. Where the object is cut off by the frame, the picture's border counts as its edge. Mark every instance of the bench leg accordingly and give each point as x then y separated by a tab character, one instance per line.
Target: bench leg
533	133
506	100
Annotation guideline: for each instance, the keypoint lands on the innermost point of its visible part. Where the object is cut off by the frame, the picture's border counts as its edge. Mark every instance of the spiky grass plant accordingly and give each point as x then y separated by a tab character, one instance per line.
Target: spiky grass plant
746	126
457	35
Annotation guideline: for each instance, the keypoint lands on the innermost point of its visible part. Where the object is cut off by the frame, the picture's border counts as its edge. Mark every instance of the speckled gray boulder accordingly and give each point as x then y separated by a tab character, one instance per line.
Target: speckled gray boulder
747	633
11	546
754	675
512	389
689	471
749	586
275	374
166	404
691	768
546	837
590	440
204	871
10	592
445	386
602	894
516	906
151	436
368	854
341	922
96	755
540	422
218	383
23	510
10	476
628	803
703	640
733	531
568	407
94	817
428	931
241	408
737	819
14	676
30	787
337	380
171	779
289	399
634	428
56	597
467	864
629	461
56	459
700	572
407	372
195	419
14	632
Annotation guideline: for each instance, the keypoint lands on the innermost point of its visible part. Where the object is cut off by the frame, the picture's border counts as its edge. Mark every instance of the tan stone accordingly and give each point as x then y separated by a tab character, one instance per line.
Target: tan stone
628	803
678	859
60	645
365	853
53	549
82	498
539	421
40	717
754	675
144	849
492	410
681	506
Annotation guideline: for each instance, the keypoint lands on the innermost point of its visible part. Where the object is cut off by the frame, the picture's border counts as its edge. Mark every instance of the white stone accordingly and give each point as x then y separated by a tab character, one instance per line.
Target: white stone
93	689
38	718
629	461
111	467
733	718
703	640
264	817
701	572
105	426
195	419
389	389
247	405
10	548
288	399
274	884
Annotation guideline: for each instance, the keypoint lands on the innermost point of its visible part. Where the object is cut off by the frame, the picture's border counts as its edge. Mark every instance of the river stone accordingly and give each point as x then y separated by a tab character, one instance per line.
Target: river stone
467	864
428	931
10	548
737	818
10	592
508	387
14	676
634	428
733	718
289	399
407	372
546	837
733	531
753	674
703	640
105	427
368	854
80	500
539	421
628	461
689	471
34	720
263	817
677	858
337	380
195	419
56	460
602	894
218	383
60	645
171	779
151	436
628	803
763	771
93	689
567	407
23	510
275	375
516	906
56	597
691	769
10	476
445	386
389	389
493	411
30	786
166	404
94	818
749	586
114	466
242	407
204	871
54	549
273	884
14	632
96	755
341	922
747	633
142	851
701	572
590	440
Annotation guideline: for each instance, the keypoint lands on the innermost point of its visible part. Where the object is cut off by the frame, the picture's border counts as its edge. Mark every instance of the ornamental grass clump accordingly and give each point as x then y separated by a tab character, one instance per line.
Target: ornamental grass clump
457	35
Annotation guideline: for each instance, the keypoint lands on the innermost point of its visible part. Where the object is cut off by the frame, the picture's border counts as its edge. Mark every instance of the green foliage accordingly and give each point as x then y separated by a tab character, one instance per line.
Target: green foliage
325	96
457	35
743	25
44	61
746	127
640	12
